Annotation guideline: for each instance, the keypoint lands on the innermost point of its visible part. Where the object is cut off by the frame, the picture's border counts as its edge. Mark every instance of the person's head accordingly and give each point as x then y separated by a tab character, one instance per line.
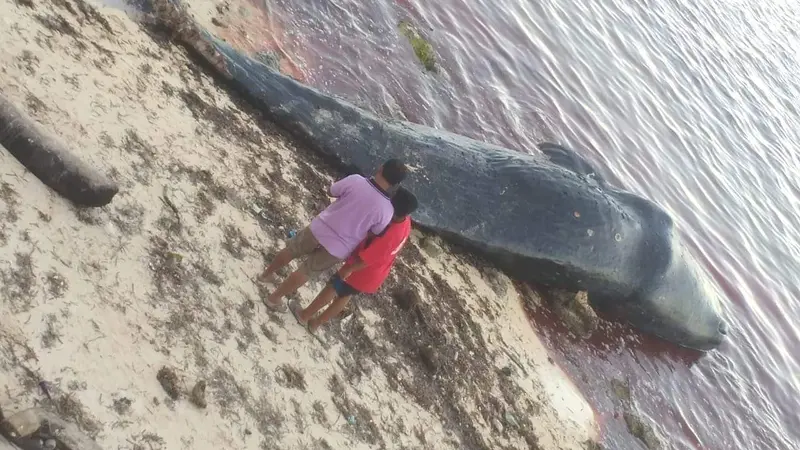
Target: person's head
404	203
392	172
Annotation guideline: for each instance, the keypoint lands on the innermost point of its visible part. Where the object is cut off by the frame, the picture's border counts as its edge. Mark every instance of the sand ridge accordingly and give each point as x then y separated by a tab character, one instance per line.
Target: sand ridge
96	302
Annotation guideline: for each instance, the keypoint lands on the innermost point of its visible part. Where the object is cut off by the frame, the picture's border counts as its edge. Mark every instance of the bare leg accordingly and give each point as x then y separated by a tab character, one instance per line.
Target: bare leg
325	296
282	259
336	307
289	285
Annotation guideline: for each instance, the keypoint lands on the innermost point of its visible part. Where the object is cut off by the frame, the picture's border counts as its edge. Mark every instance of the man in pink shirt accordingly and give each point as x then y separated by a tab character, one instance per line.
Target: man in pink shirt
362	206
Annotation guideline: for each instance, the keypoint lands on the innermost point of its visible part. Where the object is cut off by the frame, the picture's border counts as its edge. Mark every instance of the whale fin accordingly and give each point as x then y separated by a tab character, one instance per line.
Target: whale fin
570	160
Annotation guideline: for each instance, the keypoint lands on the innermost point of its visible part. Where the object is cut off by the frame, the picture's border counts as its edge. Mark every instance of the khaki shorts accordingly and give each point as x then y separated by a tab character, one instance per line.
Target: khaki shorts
317	259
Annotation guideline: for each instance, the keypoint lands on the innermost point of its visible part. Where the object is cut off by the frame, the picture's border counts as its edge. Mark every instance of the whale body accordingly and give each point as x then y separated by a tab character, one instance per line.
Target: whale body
545	218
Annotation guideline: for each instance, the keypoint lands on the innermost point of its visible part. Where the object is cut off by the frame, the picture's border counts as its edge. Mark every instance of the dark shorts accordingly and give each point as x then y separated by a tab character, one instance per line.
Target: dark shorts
342	288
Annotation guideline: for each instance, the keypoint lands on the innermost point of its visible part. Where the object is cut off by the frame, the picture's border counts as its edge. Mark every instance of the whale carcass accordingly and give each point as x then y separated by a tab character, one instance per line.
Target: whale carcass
546	218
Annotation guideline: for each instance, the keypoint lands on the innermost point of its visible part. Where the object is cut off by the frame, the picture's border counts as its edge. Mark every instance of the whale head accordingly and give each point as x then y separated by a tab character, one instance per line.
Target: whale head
683	305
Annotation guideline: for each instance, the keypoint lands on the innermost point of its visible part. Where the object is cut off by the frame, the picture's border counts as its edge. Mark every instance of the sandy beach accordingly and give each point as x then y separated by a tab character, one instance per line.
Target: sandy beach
123	310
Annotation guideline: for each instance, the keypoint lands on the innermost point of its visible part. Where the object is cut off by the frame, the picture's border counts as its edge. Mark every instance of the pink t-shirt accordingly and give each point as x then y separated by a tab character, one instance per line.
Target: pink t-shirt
360	207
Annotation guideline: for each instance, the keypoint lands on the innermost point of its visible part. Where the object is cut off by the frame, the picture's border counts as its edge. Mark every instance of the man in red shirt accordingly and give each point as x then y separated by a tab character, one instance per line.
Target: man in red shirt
366	269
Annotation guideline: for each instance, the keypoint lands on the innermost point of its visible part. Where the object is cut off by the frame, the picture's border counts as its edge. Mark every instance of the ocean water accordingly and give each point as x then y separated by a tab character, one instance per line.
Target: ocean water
690	104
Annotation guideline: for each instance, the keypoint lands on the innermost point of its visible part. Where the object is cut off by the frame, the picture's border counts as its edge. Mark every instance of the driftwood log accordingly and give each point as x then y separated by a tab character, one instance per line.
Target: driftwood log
51	160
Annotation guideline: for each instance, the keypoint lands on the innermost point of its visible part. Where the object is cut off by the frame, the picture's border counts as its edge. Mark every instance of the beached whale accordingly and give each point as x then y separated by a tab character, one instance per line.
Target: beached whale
548	219
51	160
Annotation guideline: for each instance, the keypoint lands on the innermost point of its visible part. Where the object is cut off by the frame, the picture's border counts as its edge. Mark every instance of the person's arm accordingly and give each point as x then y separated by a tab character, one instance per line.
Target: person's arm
380	226
375	252
349	268
354	262
340	187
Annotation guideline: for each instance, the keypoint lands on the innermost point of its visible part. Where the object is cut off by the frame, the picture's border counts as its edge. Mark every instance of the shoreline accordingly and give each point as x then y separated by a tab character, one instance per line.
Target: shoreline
102	299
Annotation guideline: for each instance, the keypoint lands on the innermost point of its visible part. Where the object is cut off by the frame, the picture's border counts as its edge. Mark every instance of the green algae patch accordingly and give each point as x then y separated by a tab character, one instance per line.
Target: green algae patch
641	430
270	59
422	48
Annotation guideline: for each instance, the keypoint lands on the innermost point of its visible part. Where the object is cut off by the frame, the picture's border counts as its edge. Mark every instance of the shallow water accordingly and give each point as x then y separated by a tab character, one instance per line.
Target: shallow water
690	105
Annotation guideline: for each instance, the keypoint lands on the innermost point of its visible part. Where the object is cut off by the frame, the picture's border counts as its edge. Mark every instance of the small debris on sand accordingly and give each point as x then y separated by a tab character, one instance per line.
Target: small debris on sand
122	405
71	409
56	284
318	414
51	334
292	378
169	381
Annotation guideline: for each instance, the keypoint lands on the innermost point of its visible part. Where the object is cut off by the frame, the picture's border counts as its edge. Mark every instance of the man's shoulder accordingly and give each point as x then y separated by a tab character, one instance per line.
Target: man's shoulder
383	206
354	179
353	185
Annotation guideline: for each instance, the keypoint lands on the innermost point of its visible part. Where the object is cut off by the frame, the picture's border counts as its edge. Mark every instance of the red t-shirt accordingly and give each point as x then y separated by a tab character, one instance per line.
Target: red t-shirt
379	257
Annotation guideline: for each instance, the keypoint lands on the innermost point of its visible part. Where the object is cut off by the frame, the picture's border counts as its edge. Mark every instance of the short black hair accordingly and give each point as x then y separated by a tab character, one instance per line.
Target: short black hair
394	171
404	202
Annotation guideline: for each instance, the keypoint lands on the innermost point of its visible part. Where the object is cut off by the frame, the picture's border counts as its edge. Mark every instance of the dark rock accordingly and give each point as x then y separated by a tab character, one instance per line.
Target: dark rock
574	311
621	390
122	405
430	358
198	396
592	445
641	430
170	382
406	299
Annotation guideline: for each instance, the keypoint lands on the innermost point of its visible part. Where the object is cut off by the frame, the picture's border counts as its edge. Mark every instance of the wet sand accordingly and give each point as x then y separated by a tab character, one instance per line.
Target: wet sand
124	309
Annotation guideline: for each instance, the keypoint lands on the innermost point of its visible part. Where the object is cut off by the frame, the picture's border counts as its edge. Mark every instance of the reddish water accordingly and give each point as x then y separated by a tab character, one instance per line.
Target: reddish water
691	104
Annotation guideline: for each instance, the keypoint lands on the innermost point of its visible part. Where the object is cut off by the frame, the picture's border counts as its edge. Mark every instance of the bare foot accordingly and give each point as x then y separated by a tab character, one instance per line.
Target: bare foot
312	326
297	310
264	278
279	306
